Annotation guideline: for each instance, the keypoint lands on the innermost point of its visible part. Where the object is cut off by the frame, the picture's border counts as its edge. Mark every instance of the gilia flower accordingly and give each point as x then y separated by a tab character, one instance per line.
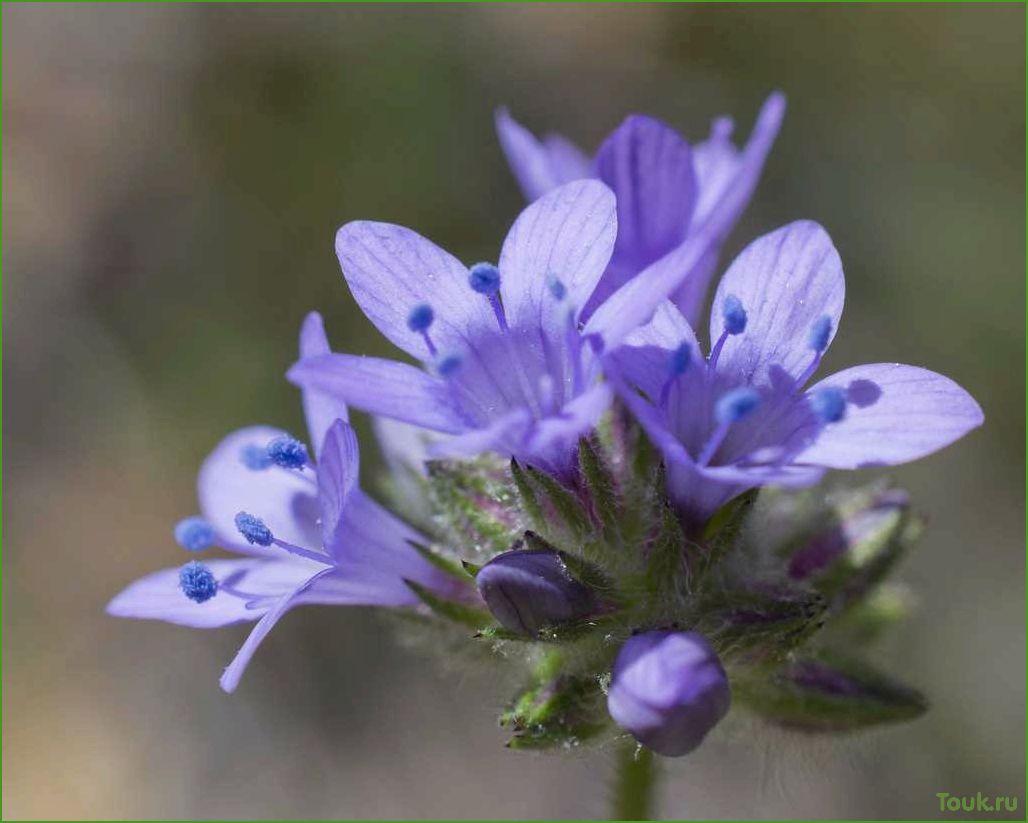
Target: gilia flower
668	689
308	533
741	417
507	366
667	191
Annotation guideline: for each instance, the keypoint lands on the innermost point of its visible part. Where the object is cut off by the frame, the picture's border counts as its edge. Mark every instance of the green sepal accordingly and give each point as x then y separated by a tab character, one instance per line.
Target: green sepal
470	569
866	620
671	561
760	627
600	485
441	561
450	609
828	694
559	711
475	501
721	534
566	507
530	502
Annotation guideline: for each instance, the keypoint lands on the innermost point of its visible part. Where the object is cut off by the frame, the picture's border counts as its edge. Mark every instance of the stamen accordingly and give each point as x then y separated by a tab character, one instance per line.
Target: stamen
257	532
419	320
735	323
197	582
287	452
678	363
254	529
731	407
485	279
556	286
817	338
829	404
449	364
194	534
255	457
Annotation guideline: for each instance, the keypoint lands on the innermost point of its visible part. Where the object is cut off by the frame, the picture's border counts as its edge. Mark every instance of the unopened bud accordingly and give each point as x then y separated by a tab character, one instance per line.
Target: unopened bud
527	590
668	690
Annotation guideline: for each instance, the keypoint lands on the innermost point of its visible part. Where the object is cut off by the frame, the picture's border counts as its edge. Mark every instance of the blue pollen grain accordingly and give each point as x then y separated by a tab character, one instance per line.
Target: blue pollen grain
194	534
254	529
197	582
420	318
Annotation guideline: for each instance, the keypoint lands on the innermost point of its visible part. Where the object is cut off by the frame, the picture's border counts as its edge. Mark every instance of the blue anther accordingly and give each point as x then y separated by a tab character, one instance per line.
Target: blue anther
448	365
680	359
287	452
194	534
197	582
829	404
556	286
484	278
820	333
254	529
420	318
255	457
735	405
734	315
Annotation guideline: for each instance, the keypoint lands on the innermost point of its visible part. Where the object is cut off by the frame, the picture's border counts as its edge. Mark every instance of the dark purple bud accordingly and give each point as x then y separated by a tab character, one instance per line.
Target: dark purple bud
668	690
527	590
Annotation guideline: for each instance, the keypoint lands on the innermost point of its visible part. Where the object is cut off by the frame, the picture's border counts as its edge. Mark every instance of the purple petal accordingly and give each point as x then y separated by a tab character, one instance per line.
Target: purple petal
321	410
567	161
554	439
528	158
503	436
234	672
158	597
644	358
383	387
566	236
633	304
650	169
338	473
786	281
894	414
392	270
284	499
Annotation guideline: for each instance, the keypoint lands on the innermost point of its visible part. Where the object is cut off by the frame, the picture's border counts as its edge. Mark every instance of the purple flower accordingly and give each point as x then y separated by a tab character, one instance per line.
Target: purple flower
529	589
668	192
668	690
741	417
507	365
308	534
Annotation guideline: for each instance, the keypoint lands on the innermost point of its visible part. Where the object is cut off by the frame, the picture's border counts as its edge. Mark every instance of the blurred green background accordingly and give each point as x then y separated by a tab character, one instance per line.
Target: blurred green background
173	176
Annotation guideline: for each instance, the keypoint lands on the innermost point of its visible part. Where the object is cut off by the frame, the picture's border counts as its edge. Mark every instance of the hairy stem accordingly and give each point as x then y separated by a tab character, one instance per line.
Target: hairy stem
633	789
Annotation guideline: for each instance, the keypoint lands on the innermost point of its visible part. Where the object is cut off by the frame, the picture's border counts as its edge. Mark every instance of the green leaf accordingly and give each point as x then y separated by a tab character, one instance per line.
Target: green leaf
450	609
828	694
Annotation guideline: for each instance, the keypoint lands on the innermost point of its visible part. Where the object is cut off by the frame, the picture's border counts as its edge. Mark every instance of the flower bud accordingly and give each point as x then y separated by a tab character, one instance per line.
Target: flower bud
668	690
527	590
855	551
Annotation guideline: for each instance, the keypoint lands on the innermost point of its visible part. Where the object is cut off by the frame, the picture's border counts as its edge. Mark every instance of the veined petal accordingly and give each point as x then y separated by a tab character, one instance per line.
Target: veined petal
392	270
383	387
527	157
786	281
555	253
284	499
158	597
338	474
321	410
894	414
685	269
649	167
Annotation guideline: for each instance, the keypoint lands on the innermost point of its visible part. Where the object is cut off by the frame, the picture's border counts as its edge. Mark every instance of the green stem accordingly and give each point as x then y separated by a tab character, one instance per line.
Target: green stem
633	790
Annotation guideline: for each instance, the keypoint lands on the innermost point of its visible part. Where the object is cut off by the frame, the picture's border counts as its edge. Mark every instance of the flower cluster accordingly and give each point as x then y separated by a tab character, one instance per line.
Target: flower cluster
588	489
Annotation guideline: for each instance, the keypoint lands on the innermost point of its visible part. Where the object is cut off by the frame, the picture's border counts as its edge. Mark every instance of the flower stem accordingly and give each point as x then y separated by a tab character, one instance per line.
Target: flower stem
633	790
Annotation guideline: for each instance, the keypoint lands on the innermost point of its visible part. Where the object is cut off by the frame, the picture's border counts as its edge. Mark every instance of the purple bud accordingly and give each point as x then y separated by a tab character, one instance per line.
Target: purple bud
527	590
668	690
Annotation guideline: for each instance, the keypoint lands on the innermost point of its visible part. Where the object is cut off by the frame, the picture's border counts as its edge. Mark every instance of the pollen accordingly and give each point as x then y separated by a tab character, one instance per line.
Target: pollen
194	534
420	318
736	405
287	452
254	529
829	404
820	333
484	278
734	315
197	582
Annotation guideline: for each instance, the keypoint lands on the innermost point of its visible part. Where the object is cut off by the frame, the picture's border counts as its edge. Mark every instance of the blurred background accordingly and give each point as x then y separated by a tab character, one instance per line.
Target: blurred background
173	177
